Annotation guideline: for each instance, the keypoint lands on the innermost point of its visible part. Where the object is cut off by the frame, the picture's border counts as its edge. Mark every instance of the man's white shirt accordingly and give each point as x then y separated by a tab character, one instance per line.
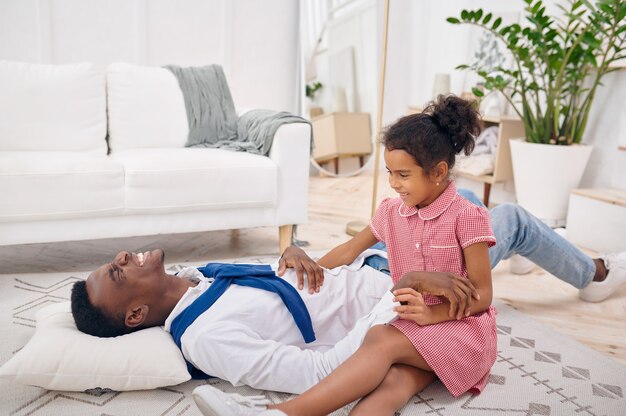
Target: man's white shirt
249	337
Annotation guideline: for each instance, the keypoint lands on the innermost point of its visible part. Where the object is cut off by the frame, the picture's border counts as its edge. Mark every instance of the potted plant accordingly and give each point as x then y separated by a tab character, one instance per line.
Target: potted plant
312	89
558	64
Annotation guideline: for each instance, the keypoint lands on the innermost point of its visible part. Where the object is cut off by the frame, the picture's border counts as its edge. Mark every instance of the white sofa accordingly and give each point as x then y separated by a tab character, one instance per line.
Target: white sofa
62	179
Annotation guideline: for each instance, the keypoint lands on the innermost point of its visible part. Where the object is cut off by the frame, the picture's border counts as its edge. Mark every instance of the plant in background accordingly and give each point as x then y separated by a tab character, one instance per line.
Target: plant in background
558	63
312	89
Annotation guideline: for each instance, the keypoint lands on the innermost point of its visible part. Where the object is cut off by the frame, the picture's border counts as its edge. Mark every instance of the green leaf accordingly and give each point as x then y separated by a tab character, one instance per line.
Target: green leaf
590	40
477	92
478	14
462	67
497	23
576	5
523	53
487	18
464	14
453	20
540	13
606	9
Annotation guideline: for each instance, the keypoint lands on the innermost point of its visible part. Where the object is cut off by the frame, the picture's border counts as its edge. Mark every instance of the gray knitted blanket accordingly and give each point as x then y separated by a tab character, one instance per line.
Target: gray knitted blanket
211	114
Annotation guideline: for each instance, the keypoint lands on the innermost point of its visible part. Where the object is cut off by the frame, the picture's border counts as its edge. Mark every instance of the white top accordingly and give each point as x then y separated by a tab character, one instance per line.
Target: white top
249	337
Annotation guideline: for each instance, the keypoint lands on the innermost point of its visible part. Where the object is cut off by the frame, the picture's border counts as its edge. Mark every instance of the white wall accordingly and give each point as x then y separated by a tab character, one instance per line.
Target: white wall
255	41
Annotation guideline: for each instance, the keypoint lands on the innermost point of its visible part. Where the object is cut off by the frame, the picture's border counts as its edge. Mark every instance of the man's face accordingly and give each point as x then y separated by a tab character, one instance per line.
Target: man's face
130	277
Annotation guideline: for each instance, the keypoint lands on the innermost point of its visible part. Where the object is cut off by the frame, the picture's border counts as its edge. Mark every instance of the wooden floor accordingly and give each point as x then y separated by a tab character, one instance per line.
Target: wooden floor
333	202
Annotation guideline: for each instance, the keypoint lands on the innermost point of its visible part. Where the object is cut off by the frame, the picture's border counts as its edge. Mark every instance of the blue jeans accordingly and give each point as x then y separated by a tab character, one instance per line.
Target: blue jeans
519	232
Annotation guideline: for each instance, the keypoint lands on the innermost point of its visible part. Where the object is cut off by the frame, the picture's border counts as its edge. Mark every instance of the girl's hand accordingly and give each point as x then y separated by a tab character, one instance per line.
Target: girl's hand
458	291
413	307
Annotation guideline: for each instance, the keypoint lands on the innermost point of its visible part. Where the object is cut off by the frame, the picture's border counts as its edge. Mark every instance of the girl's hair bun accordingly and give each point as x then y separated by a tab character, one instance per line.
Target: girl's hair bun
458	118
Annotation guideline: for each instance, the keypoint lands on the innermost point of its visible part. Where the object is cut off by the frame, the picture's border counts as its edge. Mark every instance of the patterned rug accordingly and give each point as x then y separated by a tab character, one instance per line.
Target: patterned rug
538	371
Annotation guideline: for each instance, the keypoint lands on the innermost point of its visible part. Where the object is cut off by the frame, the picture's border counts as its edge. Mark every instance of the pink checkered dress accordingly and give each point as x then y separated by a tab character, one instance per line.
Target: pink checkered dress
432	239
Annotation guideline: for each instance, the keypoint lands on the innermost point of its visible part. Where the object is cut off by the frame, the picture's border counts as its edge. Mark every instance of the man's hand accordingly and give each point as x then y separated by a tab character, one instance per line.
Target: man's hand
413	307
459	292
297	259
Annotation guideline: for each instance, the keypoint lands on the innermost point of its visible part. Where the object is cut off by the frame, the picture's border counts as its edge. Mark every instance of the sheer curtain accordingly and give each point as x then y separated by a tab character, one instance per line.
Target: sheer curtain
315	17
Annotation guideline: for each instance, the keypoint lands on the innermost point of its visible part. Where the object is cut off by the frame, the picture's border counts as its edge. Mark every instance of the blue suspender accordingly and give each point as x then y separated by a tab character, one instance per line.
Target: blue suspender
257	276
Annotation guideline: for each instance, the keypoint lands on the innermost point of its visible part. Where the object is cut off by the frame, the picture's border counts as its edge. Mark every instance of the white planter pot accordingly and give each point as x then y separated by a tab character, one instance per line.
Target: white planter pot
545	175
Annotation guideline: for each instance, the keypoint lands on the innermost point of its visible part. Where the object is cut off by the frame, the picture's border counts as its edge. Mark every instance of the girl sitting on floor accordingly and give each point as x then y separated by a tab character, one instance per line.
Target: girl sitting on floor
429	228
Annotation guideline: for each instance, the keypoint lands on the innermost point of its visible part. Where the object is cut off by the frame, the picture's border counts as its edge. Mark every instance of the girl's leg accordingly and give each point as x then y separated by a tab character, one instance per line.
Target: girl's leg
358	376
401	383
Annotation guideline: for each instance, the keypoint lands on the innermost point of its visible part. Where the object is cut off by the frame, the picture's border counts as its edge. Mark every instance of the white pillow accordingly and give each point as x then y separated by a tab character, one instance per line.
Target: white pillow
52	107
60	357
146	108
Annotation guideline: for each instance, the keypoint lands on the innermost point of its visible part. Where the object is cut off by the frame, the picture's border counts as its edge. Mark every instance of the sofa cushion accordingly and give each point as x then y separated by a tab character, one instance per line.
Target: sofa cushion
146	108
51	185
190	179
52	107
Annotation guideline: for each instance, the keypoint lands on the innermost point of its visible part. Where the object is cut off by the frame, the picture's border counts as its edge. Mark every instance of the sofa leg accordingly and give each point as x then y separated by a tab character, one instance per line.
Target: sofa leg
285	233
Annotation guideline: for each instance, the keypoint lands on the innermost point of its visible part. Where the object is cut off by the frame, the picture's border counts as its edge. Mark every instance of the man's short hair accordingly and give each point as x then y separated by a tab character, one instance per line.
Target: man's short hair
93	320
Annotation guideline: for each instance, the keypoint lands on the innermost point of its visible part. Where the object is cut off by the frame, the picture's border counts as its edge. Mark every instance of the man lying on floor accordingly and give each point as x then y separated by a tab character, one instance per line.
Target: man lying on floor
259	330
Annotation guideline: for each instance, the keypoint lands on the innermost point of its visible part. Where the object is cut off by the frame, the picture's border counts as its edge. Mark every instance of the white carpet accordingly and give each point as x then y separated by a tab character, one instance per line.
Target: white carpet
538	371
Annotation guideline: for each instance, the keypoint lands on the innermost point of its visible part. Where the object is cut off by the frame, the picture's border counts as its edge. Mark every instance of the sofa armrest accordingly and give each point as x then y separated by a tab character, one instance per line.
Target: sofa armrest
291	152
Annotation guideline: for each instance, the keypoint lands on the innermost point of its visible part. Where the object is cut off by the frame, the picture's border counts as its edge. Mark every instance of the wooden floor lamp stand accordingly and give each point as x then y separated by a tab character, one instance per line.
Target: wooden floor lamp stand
354	227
